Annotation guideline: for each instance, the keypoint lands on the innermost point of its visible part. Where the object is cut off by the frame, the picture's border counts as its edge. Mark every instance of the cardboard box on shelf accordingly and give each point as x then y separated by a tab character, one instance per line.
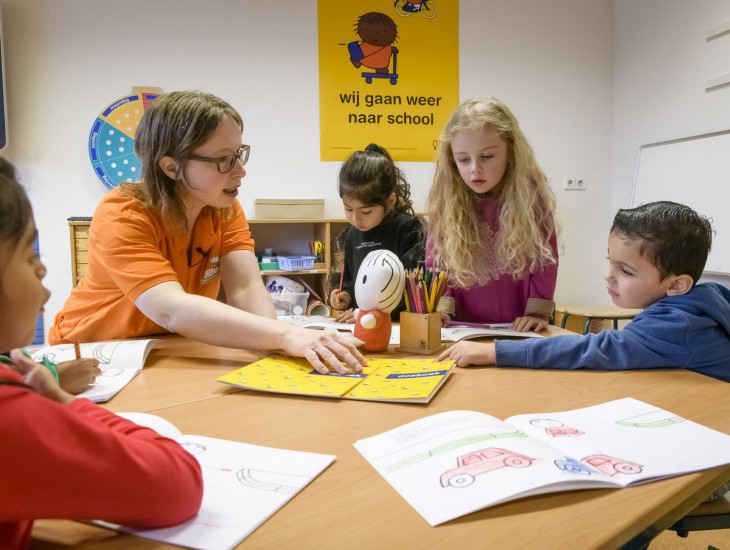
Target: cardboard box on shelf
289	209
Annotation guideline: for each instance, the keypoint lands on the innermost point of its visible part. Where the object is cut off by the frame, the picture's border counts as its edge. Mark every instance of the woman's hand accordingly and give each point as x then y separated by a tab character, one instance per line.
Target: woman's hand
466	354
340	299
325	347
77	375
39	378
528	323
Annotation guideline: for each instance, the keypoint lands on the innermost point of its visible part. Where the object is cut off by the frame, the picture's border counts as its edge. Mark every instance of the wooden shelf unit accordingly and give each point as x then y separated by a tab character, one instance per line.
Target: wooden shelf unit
79	233
285	237
292	238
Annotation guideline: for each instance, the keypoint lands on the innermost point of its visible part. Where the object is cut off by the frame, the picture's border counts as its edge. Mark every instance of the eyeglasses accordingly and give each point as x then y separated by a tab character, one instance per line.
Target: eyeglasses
226	163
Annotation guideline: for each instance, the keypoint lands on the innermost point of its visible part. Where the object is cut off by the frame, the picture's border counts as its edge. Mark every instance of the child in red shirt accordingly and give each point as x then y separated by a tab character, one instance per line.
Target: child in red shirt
63	457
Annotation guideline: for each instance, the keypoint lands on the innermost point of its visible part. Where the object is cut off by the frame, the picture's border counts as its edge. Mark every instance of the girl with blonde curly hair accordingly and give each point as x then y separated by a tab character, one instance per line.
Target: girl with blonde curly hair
491	221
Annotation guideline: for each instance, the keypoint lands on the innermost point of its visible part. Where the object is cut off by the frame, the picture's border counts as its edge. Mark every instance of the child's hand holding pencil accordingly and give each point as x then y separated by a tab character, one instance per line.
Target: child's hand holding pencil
77	375
340	299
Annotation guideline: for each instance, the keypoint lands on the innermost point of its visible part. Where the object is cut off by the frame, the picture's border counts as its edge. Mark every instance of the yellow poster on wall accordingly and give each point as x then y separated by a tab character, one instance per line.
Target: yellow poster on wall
388	74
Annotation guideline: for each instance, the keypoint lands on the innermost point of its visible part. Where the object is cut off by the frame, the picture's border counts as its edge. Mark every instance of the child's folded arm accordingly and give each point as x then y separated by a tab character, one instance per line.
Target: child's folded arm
115	470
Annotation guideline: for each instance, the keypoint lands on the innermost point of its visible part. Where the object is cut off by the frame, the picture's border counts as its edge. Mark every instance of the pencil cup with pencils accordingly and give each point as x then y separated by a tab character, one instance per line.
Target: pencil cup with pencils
420	326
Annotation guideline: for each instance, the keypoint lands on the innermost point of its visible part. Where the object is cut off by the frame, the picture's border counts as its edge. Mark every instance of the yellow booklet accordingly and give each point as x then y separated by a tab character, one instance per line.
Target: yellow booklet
384	379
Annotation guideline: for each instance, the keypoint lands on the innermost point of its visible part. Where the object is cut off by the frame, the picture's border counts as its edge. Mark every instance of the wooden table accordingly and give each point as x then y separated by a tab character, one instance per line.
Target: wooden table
351	506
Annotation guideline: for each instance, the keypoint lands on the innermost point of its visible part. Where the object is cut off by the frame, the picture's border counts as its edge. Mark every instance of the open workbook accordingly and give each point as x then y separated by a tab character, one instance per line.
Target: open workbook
384	379
316	321
243	484
457	462
457	333
448	334
119	361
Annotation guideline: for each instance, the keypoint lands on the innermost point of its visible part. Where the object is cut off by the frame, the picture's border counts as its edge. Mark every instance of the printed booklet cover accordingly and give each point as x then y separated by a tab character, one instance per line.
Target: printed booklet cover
384	379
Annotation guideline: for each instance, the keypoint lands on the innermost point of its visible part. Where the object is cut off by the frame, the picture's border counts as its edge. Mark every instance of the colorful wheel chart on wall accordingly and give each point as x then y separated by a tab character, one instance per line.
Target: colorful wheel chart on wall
111	141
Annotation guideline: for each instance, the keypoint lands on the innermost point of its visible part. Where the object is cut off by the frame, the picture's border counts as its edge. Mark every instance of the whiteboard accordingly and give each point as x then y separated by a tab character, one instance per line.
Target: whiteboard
694	171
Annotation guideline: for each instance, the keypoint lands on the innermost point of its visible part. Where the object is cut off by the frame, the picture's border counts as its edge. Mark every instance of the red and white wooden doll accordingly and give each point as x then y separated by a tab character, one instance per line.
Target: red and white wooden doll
378	291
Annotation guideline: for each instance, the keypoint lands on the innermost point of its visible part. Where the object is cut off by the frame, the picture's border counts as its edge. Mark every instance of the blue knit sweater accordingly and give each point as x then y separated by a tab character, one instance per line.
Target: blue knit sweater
691	331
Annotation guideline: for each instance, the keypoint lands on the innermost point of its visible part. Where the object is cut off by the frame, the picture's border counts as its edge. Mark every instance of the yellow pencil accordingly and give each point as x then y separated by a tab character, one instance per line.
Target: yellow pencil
429	298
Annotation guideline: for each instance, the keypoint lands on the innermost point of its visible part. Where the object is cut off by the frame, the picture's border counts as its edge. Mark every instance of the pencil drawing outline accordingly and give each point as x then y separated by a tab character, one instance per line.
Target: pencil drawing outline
480	462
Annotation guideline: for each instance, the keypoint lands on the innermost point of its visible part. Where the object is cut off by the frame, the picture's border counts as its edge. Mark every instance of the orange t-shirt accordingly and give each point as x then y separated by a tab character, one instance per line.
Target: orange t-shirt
130	251
376	57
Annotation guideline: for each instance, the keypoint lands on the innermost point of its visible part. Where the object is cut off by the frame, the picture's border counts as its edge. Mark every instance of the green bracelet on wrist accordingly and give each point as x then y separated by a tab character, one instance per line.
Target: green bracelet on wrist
46	362
51	366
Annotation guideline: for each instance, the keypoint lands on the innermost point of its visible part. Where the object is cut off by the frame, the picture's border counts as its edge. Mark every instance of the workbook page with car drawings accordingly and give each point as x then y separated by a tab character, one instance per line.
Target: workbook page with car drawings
243	484
119	362
457	462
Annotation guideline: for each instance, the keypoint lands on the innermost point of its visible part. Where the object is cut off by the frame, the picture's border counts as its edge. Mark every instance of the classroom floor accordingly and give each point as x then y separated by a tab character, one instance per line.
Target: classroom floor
697	540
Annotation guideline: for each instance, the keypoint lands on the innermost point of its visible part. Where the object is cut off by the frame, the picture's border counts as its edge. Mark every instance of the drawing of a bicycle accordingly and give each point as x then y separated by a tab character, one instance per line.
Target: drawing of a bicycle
405	8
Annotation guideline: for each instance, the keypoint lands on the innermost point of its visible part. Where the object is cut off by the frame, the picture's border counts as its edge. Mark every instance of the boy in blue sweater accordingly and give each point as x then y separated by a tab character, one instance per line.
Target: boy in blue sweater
656	254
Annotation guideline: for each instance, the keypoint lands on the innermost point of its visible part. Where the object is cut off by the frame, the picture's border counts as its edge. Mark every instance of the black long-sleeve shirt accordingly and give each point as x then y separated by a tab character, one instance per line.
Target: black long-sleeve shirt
400	233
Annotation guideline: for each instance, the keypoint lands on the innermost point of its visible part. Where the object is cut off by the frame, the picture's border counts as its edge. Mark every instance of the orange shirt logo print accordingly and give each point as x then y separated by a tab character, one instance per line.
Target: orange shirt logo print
212	271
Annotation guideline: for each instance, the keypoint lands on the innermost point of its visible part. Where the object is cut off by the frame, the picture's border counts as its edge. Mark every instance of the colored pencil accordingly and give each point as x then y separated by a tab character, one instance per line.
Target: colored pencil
423	289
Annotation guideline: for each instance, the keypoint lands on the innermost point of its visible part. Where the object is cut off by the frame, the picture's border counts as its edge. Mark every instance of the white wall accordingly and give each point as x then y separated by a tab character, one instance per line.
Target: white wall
662	60
551	61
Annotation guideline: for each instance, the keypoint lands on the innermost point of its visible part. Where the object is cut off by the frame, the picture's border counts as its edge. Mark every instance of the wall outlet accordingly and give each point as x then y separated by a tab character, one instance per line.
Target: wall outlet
571	183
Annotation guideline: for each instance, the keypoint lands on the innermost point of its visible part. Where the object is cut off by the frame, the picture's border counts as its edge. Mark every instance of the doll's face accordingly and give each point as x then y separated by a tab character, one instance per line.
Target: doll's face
380	281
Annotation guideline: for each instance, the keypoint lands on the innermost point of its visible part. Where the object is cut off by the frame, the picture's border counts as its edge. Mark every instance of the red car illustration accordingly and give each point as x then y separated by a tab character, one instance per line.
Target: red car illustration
611	465
479	462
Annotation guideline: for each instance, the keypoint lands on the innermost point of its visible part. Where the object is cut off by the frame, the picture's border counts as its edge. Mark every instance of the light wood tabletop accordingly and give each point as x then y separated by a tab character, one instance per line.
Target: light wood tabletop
351	506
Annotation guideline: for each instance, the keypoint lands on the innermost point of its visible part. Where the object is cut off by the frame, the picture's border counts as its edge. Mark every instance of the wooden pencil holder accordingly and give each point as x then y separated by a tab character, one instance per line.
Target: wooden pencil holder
420	332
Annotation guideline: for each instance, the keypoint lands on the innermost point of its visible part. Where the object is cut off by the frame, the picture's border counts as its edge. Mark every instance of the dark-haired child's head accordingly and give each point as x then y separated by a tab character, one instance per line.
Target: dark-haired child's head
675	238
655	250
22	294
371	183
15	210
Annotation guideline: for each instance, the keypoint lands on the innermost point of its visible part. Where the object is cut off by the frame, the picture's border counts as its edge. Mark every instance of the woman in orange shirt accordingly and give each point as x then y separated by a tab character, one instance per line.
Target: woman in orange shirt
161	249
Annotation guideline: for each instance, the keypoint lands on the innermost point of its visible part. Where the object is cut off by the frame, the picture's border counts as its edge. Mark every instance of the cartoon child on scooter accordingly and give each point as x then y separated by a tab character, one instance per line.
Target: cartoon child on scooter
378	32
